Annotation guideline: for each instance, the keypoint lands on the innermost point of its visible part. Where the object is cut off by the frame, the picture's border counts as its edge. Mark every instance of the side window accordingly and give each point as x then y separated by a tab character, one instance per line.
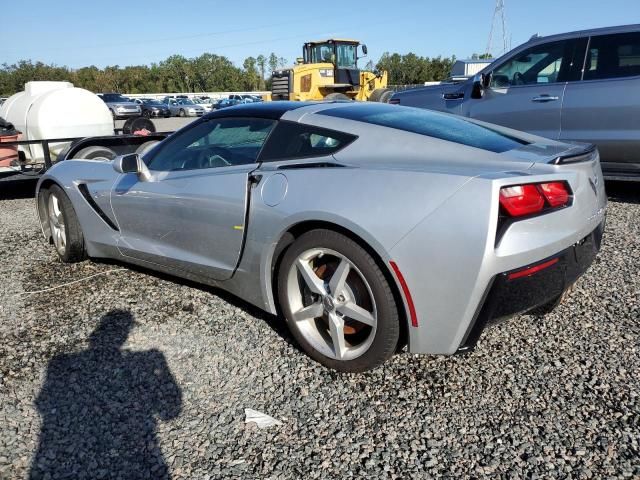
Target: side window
547	63
297	140
213	143
613	56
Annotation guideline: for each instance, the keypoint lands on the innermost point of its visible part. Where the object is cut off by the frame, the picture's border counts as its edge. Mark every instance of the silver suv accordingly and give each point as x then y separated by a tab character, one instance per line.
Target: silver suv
581	86
119	106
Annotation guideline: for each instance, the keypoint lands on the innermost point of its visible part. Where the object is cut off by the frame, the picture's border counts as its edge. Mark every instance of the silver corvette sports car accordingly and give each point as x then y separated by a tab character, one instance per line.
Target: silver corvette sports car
367	226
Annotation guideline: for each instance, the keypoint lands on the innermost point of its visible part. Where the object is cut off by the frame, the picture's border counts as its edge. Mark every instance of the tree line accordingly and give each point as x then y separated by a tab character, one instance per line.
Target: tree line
206	73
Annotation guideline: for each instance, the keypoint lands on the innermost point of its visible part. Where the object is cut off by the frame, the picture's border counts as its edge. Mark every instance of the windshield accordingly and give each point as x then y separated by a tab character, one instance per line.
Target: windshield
114	97
148	101
426	122
185	101
346	56
322	52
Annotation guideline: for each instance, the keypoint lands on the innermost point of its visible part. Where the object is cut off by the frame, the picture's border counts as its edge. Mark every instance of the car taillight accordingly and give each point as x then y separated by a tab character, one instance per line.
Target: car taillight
533	198
556	193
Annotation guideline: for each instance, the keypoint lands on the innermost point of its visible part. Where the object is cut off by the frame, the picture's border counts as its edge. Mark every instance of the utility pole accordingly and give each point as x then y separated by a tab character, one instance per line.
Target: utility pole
498	22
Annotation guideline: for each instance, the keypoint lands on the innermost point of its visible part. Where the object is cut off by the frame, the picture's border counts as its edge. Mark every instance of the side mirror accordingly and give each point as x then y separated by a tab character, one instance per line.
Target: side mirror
131	163
480	82
364	49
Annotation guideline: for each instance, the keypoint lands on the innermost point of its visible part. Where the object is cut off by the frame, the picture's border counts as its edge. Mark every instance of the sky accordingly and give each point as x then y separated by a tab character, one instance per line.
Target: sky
95	32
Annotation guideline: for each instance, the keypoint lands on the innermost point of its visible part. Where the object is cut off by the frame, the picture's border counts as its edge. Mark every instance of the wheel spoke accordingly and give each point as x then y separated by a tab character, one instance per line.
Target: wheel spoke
315	283
314	310
357	313
52	213
336	284
336	329
63	236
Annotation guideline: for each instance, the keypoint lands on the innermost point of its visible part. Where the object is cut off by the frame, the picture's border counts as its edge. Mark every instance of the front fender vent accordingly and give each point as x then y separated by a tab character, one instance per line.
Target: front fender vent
84	190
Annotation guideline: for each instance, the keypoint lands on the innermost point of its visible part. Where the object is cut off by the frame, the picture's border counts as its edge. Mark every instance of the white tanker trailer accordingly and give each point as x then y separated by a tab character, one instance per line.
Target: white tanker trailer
59	121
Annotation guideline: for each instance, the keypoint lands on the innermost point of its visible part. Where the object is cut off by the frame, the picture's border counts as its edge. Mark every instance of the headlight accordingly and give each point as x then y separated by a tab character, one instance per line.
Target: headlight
119	108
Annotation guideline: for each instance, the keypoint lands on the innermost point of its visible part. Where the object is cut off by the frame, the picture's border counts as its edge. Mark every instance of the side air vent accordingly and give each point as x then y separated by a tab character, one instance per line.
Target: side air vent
92	203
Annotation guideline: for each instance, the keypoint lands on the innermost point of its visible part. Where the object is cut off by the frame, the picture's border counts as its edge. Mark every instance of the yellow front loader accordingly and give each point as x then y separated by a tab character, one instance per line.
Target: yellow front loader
328	70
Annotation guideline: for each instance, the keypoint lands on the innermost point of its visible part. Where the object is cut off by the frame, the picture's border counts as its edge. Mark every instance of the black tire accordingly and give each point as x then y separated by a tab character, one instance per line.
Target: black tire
135	124
332	97
182	113
386	96
96	153
387	333
74	250
377	94
146	114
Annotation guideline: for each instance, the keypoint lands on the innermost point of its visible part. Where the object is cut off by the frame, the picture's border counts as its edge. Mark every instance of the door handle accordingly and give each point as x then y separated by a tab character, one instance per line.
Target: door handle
544	99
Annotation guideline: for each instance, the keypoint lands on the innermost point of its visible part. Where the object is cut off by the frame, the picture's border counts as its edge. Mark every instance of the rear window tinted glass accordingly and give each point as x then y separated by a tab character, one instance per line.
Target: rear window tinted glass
429	123
297	140
613	56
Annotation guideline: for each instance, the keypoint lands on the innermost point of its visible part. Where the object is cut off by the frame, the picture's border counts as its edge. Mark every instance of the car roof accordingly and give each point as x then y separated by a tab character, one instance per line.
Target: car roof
589	32
272	110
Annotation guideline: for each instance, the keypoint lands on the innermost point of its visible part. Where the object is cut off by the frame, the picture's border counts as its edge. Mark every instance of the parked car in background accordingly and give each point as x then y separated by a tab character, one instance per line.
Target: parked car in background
580	86
464	222
119	106
152	108
244	98
183	107
224	103
205	103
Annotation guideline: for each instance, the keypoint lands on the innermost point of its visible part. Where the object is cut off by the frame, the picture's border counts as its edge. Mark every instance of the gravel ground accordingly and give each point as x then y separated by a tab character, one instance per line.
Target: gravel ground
540	397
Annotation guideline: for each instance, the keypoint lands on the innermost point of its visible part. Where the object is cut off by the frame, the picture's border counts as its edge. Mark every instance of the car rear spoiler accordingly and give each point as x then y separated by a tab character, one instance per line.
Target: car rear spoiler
586	154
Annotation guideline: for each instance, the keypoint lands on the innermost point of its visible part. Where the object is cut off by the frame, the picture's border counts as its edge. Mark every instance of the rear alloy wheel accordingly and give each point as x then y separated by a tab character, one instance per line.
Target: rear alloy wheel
182	113
64	226
337	302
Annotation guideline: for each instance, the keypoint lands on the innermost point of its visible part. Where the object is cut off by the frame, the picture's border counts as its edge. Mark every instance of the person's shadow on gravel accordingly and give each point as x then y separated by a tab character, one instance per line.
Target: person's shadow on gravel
100	406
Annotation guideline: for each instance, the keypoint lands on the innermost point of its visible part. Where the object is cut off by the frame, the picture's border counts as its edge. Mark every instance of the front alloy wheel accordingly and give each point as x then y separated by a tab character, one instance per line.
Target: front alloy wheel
63	223
57	224
337	302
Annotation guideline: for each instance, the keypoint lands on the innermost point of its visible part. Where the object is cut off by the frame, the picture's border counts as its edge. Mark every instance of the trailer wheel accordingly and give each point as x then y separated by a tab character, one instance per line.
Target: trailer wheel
146	146
96	153
135	124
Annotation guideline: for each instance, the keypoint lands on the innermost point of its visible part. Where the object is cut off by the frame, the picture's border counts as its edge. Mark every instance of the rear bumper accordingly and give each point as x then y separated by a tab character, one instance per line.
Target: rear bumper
520	290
